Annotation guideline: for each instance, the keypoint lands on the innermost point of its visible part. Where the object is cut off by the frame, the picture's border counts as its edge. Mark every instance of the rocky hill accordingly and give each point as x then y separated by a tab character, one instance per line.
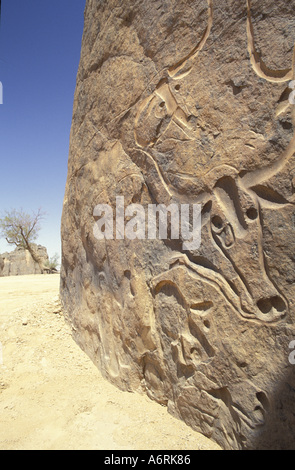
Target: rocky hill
20	262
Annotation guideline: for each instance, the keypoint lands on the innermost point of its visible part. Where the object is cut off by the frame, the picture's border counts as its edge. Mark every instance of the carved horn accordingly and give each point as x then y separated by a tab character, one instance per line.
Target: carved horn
261	69
256	177
179	70
261	175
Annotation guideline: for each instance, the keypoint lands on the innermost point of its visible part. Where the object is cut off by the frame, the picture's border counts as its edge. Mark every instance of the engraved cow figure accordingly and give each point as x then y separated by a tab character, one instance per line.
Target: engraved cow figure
232	201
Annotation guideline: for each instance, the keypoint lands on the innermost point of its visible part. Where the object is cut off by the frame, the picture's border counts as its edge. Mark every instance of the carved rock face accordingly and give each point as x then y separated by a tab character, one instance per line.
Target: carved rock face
188	102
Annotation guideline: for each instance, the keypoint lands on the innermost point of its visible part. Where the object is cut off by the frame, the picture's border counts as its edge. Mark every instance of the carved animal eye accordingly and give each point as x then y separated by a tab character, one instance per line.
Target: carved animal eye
252	213
217	222
162	104
177	87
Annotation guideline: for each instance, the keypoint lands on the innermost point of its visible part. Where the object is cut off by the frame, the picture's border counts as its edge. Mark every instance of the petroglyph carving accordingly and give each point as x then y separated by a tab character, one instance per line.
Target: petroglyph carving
233	201
204	331
235	224
161	108
275	76
156	114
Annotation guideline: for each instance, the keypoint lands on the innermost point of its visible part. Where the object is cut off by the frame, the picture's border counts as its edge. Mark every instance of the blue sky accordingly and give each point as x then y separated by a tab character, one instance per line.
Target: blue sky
40	45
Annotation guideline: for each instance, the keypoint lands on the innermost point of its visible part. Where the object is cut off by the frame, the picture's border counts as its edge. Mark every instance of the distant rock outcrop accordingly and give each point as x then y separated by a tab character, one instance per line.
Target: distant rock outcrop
20	262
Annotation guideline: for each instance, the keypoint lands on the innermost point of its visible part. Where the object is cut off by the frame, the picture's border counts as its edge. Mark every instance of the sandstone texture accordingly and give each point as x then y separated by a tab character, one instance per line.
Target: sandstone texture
189	102
20	262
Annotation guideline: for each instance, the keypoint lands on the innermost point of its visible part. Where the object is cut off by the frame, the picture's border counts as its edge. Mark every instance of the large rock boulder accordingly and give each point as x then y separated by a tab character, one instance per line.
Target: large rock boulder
188	103
20	262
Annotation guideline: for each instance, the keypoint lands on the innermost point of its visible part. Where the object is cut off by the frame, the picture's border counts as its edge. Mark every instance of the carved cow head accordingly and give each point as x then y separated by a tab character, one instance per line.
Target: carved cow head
234	200
235	219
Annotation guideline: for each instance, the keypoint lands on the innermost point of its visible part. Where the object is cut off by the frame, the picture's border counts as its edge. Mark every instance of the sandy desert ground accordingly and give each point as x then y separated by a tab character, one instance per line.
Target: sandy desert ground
51	395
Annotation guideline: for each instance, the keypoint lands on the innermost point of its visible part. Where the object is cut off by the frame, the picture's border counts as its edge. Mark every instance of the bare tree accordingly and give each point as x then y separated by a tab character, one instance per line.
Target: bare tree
21	229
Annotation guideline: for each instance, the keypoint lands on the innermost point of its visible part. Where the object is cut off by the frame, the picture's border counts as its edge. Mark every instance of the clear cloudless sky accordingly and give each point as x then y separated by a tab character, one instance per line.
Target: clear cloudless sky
40	45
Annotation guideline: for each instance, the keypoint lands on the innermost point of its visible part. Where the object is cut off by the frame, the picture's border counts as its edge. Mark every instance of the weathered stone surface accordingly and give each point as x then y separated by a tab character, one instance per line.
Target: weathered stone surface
174	104
1	264
20	262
